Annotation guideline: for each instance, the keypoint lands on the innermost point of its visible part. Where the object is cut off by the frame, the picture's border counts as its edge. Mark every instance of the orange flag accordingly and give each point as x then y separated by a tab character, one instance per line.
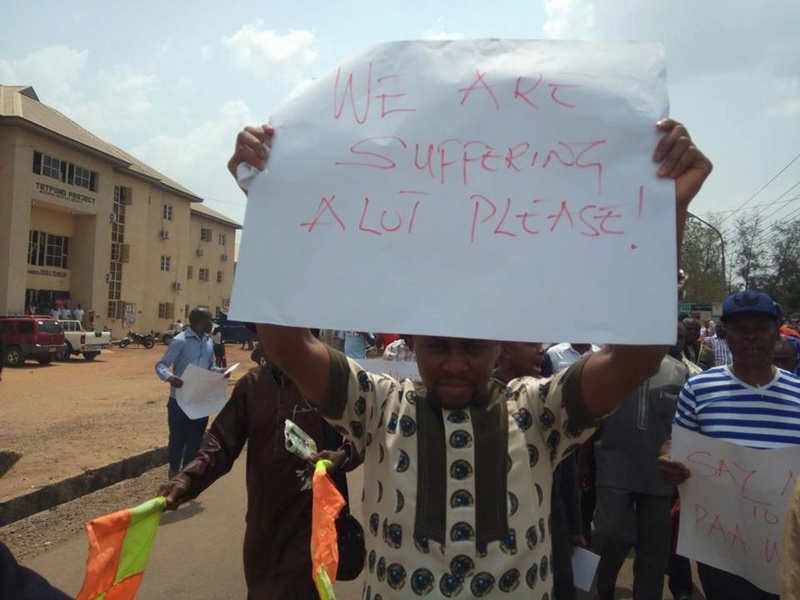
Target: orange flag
119	546
324	549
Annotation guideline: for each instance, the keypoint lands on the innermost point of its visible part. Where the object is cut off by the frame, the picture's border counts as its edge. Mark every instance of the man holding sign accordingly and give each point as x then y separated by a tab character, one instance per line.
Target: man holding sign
190	347
749	403
459	468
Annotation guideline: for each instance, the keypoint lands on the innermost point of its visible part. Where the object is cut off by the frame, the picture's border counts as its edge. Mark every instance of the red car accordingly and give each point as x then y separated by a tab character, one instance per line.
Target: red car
34	337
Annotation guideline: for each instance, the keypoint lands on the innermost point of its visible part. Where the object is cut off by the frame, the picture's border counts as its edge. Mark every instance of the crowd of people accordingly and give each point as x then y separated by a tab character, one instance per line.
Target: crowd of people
483	475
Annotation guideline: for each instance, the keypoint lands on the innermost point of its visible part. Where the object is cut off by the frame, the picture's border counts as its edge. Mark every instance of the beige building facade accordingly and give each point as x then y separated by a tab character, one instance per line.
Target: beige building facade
82	222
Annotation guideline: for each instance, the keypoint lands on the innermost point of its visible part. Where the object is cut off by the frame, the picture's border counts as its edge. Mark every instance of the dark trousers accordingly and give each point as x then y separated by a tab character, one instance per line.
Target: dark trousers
679	576
625	518
185	435
721	585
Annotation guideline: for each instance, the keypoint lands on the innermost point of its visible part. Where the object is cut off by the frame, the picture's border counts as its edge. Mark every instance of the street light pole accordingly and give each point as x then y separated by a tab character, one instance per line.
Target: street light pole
722	246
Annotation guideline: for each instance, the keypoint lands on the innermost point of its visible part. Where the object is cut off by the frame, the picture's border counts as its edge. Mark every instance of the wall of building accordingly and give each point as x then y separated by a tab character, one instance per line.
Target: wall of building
35	202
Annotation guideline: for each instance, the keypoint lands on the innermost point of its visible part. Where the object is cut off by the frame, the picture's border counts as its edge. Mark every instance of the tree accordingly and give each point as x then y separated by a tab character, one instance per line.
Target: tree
702	259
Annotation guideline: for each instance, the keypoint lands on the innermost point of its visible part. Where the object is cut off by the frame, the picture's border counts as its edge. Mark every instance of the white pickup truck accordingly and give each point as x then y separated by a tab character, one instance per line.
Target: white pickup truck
80	341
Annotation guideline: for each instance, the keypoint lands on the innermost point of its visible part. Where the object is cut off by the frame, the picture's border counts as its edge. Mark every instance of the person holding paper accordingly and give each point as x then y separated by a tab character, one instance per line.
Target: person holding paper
749	402
458	468
192	346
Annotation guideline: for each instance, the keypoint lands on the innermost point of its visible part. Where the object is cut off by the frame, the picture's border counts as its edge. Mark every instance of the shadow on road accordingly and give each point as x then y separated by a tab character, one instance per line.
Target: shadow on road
186	511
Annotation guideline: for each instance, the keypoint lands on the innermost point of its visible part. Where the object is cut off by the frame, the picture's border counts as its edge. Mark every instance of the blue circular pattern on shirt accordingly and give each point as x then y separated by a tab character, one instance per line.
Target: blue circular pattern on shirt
532	576
371	561
395	576
513	504
460	469
422	582
482	584
411	397
458	417
364	382
460	439
356	428
543	569
391	425
407	426
394	536
509	580
523	418
539	493
380	570
547	418
542	530
461	498
421	543
532	537
373	524
400	501
461	532
533	455
360	406
402	462
450	585
508	544
462	565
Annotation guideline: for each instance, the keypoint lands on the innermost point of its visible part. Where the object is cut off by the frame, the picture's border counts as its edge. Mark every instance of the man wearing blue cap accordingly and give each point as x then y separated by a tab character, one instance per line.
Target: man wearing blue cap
712	403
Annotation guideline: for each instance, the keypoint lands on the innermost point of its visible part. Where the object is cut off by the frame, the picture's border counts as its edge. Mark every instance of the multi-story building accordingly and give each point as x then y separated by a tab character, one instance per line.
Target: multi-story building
83	222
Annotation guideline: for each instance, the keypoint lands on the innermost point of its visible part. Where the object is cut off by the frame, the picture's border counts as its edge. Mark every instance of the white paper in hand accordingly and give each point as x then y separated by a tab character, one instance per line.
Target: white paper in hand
584	567
203	392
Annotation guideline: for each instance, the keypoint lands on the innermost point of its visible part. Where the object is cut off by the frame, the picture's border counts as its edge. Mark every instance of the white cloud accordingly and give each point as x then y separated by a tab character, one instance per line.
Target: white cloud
569	19
197	158
438	32
121	100
268	53
53	71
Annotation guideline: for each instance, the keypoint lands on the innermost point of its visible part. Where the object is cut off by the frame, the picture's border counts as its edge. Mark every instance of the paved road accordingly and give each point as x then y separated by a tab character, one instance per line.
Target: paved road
197	551
196	554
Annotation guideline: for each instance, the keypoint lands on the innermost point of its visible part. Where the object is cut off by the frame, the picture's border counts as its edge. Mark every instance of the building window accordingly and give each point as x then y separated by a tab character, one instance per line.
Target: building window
203	274
205	235
219	276
48	166
165	262
45	249
56	168
223	239
166	212
166	310
189	272
81	177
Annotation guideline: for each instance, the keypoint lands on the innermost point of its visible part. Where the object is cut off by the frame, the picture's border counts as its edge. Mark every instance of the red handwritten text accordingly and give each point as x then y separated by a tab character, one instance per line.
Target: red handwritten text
456	161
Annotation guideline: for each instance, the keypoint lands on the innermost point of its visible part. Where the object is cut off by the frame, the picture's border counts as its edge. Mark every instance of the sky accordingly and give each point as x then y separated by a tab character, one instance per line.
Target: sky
173	82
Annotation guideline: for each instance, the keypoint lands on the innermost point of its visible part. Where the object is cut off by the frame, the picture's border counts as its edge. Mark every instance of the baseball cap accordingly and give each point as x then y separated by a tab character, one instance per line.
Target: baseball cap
748	302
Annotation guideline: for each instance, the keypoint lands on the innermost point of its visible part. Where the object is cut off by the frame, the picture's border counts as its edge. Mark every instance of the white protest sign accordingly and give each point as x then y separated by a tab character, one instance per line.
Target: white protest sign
397	369
732	507
489	189
203	392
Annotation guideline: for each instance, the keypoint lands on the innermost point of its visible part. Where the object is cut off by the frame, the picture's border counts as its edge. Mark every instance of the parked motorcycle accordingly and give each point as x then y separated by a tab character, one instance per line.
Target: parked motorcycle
140	339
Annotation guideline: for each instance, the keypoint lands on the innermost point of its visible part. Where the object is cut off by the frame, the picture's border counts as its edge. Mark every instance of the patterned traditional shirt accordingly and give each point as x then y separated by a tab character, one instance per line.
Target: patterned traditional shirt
457	501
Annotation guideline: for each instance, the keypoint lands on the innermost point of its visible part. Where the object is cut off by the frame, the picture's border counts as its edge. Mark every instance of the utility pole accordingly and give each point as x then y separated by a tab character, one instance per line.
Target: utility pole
722	246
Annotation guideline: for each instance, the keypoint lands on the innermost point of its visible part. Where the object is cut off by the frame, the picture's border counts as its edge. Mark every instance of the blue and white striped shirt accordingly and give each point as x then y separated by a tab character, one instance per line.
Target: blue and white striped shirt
718	404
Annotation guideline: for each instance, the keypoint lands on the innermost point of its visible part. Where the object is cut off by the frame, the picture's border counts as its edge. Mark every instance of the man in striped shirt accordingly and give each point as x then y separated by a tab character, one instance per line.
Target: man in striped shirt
748	402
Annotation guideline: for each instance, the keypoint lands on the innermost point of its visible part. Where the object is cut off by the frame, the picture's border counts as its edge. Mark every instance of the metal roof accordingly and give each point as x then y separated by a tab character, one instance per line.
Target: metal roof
21	104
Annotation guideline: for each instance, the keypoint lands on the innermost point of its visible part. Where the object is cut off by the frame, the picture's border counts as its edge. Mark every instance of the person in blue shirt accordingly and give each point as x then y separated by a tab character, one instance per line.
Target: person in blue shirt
192	346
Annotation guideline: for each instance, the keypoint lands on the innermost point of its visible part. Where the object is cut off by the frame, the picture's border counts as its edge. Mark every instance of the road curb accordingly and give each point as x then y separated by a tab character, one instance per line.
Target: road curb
67	490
